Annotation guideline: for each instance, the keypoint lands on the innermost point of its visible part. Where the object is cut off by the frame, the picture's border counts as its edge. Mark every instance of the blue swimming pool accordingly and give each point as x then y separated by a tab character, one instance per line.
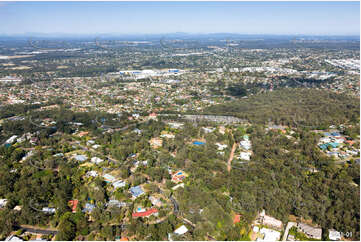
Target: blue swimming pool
198	143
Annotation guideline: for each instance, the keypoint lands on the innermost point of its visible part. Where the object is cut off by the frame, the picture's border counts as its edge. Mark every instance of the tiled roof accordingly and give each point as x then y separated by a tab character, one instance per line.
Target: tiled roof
146	213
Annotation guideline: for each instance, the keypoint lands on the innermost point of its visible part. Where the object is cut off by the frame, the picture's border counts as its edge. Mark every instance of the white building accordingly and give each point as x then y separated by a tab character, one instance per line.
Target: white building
334	235
11	139
3	203
208	129
168	136
269	221
245	156
96	160
311	232
245	144
221	146
269	235
92	173
48	210
181	230
13	238
118	184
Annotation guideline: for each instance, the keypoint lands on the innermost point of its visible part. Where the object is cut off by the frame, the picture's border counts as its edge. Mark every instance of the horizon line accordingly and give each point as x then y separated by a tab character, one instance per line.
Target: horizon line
170	33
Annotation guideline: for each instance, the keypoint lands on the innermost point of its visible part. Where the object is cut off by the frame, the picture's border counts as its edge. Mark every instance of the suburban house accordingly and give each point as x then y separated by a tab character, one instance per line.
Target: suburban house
181	230
208	129
269	235
221	146
236	218
13	238
245	144
92	174
3	203
178	176
48	210
88	207
118	184
309	231
334	235
73	204
80	157
116	203
108	178
136	191
268	221
147	213
81	134
96	160
155	201
152	116
245	155
156	142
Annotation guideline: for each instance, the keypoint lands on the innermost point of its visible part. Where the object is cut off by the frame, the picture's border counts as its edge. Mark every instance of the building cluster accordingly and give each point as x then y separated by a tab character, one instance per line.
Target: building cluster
338	146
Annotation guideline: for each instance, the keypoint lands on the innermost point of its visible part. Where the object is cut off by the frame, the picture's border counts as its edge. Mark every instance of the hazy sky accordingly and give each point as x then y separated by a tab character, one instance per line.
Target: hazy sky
330	18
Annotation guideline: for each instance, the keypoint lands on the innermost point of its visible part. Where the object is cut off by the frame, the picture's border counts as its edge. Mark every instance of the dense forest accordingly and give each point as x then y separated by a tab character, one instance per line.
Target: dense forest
295	107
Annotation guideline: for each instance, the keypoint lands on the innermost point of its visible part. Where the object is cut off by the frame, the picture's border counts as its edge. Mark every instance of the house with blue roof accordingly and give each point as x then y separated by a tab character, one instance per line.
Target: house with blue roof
136	191
88	207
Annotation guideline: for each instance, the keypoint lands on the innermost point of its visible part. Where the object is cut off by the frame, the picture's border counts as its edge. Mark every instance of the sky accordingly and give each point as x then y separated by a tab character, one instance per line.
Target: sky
309	18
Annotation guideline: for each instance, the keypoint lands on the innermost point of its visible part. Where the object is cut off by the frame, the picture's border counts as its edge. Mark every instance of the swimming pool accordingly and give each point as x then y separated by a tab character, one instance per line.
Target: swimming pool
198	143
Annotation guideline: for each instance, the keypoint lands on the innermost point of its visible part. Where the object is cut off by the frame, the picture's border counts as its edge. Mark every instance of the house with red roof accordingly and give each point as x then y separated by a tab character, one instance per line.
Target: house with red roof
152	116
145	213
236	218
178	176
73	204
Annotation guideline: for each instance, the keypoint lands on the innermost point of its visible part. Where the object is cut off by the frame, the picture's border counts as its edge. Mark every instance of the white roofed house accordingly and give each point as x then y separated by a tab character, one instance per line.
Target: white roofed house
119	183
245	144
334	235
13	238
221	146
48	210
92	173
96	160
3	203
208	129
155	201
269	235
80	157
181	230
11	139
272	222
310	231
245	155
269	221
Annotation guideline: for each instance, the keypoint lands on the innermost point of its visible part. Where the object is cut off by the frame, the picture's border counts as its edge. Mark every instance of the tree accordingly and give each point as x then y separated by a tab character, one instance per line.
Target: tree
66	228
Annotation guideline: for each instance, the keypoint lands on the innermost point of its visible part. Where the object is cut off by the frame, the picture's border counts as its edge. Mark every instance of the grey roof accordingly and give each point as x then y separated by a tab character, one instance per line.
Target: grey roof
80	157
136	191
310	231
88	207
